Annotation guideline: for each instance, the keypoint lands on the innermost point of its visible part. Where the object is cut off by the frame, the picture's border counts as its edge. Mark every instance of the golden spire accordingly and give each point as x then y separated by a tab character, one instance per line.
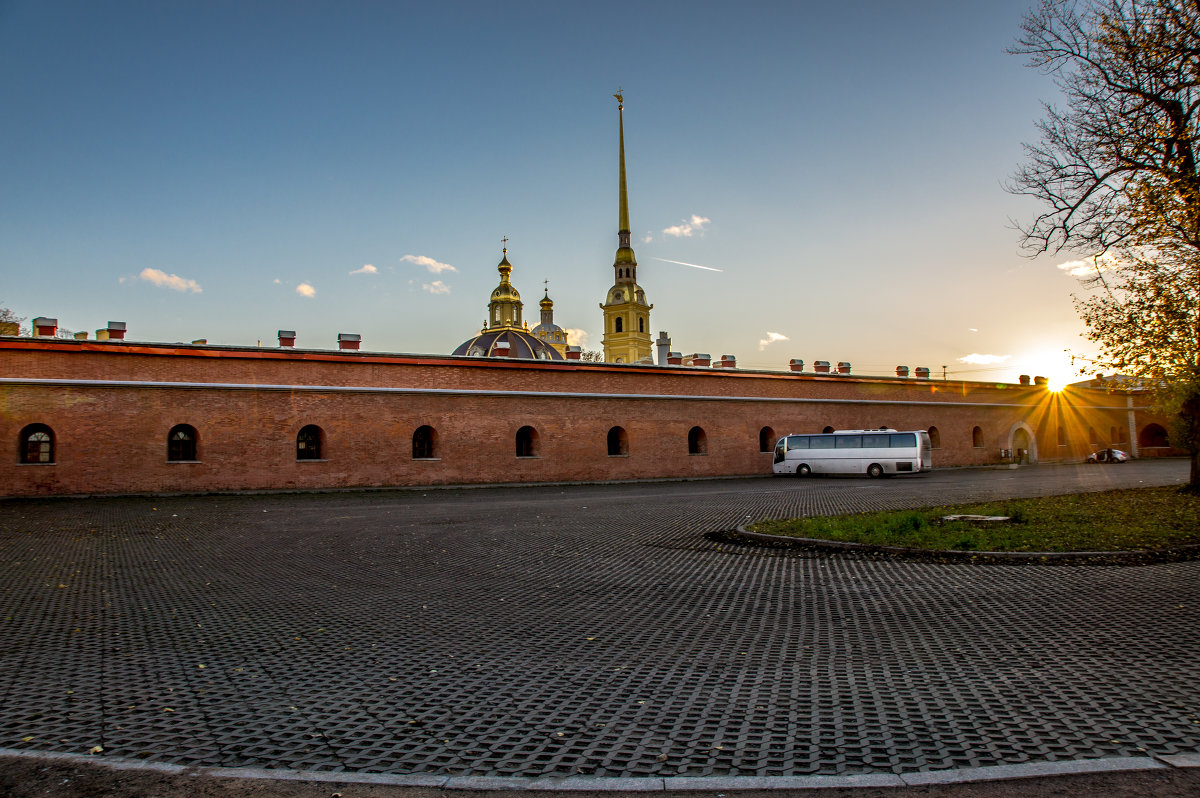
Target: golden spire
626	261
626	312
624	220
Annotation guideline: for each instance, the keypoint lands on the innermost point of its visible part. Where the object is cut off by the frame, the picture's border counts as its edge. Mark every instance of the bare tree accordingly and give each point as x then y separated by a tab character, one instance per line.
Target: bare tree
1116	171
592	356
7	316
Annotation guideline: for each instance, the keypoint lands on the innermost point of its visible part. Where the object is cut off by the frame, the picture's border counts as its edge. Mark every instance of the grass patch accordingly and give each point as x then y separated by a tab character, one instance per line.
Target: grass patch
1143	519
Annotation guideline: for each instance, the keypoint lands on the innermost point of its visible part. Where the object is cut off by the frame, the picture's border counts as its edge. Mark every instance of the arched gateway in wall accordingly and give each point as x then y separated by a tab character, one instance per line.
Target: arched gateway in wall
1023	443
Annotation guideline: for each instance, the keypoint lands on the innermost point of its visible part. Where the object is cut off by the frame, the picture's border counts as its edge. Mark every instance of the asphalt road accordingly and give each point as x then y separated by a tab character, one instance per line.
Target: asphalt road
585	631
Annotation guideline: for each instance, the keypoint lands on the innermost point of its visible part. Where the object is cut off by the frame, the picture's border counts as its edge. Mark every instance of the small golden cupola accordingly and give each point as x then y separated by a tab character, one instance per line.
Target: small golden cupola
548	331
506	307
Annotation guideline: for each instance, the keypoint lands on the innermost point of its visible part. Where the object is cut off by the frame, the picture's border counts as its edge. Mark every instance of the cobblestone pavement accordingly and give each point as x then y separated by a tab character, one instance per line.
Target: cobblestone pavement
571	630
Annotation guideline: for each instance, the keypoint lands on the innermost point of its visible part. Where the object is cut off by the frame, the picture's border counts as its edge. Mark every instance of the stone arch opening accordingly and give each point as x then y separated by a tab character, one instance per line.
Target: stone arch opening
309	442
527	442
1153	436
424	443
1023	443
182	444
618	442
36	444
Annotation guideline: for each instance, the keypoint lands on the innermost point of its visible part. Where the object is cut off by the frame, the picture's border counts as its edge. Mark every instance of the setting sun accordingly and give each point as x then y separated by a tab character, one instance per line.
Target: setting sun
1054	365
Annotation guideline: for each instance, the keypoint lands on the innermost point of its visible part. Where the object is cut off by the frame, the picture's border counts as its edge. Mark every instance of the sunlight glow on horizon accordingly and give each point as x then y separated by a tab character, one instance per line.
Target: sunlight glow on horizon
1054	365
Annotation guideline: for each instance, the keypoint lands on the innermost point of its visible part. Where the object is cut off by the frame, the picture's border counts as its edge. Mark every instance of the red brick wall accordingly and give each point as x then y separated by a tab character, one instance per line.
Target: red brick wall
111	438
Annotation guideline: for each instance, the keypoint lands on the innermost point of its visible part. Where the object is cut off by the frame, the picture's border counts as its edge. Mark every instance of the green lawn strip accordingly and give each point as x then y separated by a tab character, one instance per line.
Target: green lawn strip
1121	520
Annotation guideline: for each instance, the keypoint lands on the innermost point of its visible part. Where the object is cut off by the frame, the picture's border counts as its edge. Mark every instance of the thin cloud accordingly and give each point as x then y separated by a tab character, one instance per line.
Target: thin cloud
1089	266
278	281
646	239
688	227
173	281
366	269
436	287
772	337
304	289
577	337
693	265
983	360
434	267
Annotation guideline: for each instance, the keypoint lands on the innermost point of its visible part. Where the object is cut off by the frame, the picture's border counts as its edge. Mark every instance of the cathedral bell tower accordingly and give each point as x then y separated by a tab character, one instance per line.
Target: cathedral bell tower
626	313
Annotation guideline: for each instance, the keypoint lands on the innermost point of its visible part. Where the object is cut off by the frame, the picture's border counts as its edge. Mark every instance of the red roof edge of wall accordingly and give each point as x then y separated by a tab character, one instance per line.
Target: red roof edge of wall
349	356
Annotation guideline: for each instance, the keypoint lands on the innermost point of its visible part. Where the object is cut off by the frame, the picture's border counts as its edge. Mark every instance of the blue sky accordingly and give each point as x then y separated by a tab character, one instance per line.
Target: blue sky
840	163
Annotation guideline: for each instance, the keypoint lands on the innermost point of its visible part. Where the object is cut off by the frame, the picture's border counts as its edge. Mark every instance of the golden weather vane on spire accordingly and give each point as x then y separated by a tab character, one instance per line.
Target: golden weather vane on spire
620	95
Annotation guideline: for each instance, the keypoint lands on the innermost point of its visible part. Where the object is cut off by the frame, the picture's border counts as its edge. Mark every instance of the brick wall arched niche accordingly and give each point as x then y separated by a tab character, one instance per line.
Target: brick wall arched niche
1023	443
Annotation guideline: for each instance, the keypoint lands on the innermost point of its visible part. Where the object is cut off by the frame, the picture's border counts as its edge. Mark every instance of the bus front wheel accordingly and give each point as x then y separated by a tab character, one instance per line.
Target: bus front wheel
874	470
803	470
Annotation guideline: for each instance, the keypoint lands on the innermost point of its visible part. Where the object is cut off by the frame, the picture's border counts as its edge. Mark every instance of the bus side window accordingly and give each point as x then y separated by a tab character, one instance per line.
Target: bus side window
797	442
904	440
849	442
876	442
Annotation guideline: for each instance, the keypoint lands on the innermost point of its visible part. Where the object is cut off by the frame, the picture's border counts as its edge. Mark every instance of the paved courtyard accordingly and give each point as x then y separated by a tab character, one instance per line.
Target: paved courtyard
588	630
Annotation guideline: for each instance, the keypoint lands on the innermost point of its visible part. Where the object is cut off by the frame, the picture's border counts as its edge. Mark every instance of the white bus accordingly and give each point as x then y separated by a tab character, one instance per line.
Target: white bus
874	452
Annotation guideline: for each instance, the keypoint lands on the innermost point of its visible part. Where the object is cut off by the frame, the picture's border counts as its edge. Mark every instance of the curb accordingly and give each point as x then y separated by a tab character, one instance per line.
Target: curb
743	536
1025	770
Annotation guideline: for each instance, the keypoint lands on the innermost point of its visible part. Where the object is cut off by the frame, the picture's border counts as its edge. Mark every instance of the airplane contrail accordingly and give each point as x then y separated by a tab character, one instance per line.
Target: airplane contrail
693	265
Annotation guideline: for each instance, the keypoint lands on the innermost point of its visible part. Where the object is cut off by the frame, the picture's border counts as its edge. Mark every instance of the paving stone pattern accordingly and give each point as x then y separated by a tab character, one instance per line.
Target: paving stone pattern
585	630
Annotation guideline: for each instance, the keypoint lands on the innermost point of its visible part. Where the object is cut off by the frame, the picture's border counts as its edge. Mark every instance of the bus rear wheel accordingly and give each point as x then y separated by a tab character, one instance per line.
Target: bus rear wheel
874	470
803	470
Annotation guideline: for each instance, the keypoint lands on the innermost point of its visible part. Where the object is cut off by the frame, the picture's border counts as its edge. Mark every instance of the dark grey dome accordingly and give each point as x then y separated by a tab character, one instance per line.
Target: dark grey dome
520	345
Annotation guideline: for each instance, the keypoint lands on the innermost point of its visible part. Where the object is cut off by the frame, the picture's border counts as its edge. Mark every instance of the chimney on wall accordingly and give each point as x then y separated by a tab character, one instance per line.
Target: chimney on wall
796	365
115	331
674	358
1039	381
843	367
287	337
1023	379
663	345
81	336
45	327
574	353
922	372
349	341
821	366
726	362
698	359
500	348
901	371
